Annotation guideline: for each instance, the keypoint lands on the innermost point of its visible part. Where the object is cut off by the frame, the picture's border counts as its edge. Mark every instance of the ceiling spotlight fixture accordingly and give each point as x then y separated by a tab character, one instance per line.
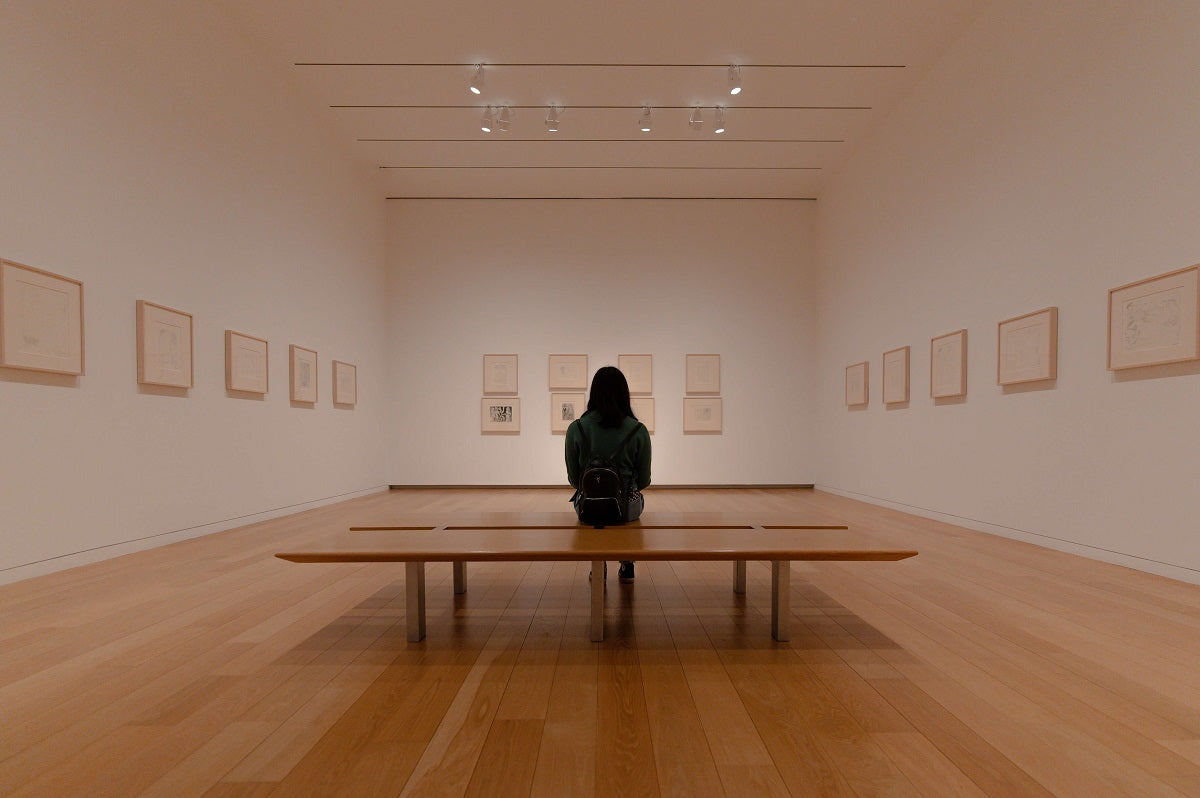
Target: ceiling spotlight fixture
552	119
477	80
644	122
503	120
735	79
485	124
719	124
697	121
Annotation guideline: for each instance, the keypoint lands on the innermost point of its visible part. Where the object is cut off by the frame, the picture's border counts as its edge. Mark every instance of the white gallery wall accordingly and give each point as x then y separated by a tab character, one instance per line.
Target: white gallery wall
602	278
150	152
1053	154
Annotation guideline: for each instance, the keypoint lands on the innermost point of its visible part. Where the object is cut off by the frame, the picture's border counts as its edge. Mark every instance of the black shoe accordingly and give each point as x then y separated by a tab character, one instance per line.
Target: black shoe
625	574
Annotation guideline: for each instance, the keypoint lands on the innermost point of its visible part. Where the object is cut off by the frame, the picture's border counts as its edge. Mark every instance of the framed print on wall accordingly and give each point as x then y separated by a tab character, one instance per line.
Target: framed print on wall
948	365
245	363
895	376
702	415
568	372
499	375
345	383
303	373
164	346
703	374
500	415
643	408
1154	321
856	384
41	320
565	408
1027	348
639	371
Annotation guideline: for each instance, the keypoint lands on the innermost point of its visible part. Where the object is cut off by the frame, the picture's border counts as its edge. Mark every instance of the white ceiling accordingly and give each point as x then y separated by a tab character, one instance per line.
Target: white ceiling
392	78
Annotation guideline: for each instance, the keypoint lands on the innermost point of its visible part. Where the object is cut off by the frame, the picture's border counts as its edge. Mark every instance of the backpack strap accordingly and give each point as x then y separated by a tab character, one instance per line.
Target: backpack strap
621	446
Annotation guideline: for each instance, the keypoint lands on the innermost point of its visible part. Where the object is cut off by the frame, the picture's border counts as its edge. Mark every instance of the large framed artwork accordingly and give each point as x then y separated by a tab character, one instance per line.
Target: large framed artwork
164	346
499	375
948	365
856	384
702	374
639	371
702	415
1027	348
568	372
245	363
303	372
345	383
41	320
895	376
1154	321
643	408
565	408
500	415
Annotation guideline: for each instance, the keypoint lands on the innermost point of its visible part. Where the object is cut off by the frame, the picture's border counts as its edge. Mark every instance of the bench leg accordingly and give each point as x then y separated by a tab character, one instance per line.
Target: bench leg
460	578
781	591
739	576
597	601
414	605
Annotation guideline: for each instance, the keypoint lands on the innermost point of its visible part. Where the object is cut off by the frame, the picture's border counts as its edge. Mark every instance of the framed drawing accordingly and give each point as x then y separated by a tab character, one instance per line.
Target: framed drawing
702	415
639	371
500	415
41	320
164	346
345	383
643	408
1154	321
499	375
948	365
703	374
895	376
1027	348
245	363
568	372
856	384
303	372
565	408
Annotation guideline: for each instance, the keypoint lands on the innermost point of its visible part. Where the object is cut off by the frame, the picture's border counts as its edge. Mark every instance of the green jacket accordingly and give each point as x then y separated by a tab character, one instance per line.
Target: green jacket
587	439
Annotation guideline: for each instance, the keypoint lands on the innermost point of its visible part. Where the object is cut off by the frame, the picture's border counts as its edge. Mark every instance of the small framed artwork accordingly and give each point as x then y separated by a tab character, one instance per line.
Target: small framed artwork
499	375
500	415
703	374
702	415
1154	321
568	372
245	363
856	384
895	376
639	371
1027	348
565	408
643	408
41	320
303	372
948	365
345	383
164	346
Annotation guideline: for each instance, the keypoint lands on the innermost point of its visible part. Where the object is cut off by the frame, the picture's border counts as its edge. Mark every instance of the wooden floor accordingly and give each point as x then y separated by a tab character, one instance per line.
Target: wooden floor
981	667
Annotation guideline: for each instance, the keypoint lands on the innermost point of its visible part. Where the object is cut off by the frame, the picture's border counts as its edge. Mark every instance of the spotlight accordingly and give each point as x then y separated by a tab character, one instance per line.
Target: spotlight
697	121
644	123
735	79
503	120
477	80
719	124
485	124
552	119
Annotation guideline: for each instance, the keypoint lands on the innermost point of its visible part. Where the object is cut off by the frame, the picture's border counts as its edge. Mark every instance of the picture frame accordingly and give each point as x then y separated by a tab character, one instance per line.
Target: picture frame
246	363
499	375
500	415
643	408
565	408
345	383
302	372
639	372
703	374
41	320
896	375
568	372
948	365
164	346
1027	348
1154	321
857	378
702	415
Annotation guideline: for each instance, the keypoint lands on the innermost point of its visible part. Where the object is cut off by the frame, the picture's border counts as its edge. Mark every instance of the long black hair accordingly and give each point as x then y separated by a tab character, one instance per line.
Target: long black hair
609	397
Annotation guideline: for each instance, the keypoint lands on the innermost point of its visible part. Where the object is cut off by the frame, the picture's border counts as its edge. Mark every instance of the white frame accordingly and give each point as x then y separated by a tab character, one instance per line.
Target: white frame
246	363
488	426
896	375
18	320
703	375
345	383
1039	330
495	382
558	424
1174	338
948	365
568	372
643	408
857	391
167	360
298	358
702	415
639	372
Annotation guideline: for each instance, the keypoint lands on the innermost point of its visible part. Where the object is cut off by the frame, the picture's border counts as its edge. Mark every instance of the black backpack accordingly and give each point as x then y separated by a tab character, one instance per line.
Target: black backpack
603	496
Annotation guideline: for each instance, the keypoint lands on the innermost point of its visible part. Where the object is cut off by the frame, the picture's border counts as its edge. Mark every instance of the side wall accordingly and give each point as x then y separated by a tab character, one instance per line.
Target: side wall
149	152
601	277
1053	154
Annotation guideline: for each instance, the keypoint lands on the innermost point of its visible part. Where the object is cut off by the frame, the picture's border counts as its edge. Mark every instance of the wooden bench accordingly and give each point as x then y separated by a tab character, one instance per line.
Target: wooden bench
416	545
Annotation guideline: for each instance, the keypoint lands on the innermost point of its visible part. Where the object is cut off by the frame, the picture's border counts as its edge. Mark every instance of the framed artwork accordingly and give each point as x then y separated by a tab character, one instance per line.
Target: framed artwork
643	408
345	383
639	371
245	363
1154	321
856	384
895	376
303	372
499	375
948	365
565	408
41	320
568	372
703	374
500	415
1027	348
164	346
702	415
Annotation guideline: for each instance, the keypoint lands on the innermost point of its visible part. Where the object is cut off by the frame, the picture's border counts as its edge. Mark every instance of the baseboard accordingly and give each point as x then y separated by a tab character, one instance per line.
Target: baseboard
726	486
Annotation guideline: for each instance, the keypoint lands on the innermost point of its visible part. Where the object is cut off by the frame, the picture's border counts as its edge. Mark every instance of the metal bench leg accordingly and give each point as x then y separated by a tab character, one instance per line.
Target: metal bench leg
781	591
739	576
597	601
414	605
460	578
